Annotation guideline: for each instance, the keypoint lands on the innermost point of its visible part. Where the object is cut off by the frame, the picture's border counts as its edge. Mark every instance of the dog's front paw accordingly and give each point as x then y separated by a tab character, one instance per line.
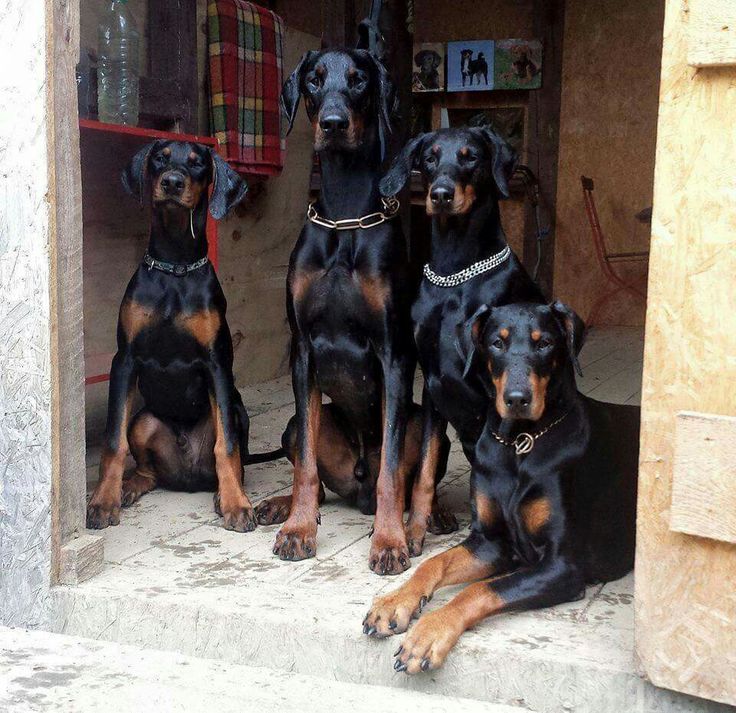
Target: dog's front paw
442	521
296	541
274	510
102	513
415	534
391	613
388	556
242	519
428	642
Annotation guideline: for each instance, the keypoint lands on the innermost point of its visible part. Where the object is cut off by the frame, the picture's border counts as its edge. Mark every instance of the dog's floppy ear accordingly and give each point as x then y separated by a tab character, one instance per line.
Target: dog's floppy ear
503	162
292	90
228	188
384	96
398	174
134	175
470	336
574	329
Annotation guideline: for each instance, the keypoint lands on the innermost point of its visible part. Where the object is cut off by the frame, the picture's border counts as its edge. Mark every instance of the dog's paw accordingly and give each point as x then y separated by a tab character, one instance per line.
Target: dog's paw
387	557
242	519
101	514
296	542
391	613
442	521
274	510
415	534
427	644
134	488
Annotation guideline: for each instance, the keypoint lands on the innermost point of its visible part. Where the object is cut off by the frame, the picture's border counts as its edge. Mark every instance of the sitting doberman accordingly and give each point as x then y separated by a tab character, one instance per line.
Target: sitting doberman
465	172
175	345
553	489
348	303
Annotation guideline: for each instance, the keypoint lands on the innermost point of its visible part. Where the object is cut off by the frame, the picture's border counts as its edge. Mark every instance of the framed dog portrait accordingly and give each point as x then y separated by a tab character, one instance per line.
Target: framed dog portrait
518	64
428	74
470	65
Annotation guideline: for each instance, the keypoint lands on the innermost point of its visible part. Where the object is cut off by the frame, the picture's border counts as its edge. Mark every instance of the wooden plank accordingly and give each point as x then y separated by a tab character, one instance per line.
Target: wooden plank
712	37
704	473
685	604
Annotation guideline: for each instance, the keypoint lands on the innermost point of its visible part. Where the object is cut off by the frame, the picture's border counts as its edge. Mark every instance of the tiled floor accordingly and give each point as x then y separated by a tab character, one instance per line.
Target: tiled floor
180	534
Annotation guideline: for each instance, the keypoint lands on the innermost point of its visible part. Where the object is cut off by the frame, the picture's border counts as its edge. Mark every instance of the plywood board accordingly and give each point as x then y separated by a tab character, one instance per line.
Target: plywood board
685	604
704	476
712	35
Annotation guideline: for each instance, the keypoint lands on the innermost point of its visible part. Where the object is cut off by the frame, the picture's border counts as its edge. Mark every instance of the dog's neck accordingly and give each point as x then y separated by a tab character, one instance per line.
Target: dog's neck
171	233
350	181
461	240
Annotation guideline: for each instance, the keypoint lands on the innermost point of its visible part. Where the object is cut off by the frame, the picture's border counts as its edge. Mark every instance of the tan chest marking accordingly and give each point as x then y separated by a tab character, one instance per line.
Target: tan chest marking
375	291
301	282
135	317
203	325
535	514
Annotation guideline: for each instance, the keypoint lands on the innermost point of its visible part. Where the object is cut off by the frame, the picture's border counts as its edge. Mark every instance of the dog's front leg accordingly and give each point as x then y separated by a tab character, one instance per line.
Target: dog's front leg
425	512
104	506
297	538
231	502
389	552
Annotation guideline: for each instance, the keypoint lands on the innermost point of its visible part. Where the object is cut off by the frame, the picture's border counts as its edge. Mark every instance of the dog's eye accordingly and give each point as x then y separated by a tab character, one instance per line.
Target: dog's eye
543	344
497	343
357	80
314	82
431	160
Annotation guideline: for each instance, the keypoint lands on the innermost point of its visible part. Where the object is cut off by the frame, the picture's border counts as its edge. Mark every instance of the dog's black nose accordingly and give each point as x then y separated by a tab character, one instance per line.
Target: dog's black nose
441	195
333	123
517	400
173	183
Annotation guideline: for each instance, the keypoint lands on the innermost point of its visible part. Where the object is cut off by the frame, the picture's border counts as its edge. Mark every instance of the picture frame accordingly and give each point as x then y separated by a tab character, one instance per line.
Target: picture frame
428	71
470	65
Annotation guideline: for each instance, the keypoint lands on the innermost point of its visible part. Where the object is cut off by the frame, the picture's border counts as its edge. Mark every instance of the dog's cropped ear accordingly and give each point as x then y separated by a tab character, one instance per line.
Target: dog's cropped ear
292	90
574	330
135	174
503	161
470	336
228	188
398	174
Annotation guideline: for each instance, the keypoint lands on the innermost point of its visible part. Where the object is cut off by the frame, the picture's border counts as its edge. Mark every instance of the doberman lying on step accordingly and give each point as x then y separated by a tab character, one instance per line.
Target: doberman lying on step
175	345
348	302
465	172
553	489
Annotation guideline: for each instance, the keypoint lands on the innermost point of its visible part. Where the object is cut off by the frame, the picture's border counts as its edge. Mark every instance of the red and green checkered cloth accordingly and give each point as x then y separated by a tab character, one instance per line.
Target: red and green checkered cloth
245	74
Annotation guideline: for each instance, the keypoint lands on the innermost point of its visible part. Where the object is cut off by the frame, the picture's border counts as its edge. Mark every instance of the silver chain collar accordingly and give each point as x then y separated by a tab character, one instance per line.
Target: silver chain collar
390	209
477	268
524	442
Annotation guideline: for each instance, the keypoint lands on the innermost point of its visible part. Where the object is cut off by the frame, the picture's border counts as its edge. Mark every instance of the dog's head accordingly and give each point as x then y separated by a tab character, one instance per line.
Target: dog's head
529	352
346	93
177	175
459	166
427	60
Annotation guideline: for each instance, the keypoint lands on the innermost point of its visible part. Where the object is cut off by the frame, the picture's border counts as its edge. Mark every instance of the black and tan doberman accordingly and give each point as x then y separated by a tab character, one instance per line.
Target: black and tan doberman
553	488
465	172
174	347
348	302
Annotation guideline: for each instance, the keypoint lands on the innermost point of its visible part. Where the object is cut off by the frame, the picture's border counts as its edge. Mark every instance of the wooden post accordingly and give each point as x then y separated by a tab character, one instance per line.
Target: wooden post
543	122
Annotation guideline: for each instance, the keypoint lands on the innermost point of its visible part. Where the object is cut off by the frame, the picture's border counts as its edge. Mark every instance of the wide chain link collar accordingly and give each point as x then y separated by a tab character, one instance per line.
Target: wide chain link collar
390	209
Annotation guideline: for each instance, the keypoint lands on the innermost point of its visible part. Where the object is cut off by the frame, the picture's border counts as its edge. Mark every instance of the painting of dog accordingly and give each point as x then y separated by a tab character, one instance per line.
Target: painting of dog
429	68
518	64
470	65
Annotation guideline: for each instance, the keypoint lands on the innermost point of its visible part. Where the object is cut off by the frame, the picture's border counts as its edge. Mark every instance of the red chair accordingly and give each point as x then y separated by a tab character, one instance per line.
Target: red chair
607	260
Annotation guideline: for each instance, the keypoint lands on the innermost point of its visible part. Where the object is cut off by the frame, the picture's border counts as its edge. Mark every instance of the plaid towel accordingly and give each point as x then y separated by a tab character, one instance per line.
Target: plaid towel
245	74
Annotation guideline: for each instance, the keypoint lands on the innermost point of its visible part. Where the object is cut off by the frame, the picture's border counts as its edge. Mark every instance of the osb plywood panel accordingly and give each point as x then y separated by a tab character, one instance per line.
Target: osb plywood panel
712	36
704	475
685	603
610	80
441	21
25	383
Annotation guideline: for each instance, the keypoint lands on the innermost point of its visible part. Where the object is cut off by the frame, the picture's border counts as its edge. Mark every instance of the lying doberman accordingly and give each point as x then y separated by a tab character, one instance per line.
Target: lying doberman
348	303
553	489
175	345
465	172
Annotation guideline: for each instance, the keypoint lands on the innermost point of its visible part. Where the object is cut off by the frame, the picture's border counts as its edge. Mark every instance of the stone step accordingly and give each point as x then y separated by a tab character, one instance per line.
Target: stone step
571	658
47	672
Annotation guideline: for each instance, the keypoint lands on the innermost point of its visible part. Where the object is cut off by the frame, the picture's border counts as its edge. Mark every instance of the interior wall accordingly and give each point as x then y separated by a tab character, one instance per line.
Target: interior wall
608	124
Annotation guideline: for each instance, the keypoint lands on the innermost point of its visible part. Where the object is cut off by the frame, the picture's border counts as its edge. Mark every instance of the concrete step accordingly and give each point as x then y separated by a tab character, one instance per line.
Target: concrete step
566	659
42	672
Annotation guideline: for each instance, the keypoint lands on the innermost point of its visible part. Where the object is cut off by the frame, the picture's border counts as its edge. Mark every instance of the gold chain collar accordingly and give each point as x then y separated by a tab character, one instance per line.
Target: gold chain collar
524	442
390	209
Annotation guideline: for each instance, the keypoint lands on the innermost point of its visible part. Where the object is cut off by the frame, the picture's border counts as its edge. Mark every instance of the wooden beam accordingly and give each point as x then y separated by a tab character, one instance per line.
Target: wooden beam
543	122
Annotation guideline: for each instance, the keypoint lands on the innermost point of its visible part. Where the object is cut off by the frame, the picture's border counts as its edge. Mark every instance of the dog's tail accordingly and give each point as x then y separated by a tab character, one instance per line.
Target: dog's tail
253	458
